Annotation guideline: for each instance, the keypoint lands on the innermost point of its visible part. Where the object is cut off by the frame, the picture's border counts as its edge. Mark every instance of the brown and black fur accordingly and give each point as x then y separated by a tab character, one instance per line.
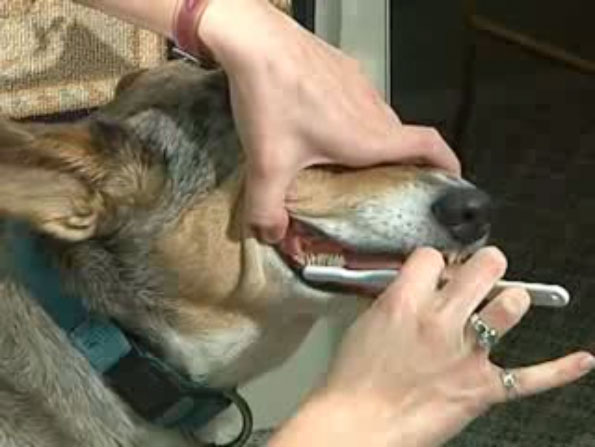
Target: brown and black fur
97	195
140	208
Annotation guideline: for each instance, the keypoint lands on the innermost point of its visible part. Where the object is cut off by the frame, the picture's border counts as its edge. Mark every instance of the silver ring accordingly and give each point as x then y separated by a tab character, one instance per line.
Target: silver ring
487	336
510	382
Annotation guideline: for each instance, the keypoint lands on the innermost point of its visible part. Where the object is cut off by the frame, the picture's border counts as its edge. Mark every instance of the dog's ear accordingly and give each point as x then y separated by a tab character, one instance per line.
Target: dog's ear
127	80
58	178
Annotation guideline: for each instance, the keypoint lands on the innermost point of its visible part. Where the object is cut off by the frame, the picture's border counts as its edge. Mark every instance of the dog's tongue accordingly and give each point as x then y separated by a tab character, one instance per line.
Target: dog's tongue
371	262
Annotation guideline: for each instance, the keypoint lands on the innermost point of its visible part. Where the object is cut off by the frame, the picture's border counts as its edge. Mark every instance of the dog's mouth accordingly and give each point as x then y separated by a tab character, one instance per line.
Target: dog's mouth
305	246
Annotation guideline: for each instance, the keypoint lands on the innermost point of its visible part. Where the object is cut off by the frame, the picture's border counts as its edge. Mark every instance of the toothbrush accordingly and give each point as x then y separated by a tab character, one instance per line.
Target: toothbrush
546	295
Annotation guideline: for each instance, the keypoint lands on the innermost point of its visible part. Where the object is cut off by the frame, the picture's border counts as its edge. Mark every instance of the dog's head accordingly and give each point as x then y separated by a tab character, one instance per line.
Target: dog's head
360	219
153	186
374	218
96	179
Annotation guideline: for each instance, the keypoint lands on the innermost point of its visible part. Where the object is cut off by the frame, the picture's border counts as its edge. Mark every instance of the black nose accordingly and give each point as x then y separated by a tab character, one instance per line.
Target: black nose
465	212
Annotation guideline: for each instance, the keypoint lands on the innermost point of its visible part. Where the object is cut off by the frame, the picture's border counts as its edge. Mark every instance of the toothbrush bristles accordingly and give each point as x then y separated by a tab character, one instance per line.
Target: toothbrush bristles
325	260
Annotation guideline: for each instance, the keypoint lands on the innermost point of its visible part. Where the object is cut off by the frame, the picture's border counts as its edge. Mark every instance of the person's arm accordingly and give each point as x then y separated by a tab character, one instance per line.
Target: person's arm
297	101
156	15
411	373
324	421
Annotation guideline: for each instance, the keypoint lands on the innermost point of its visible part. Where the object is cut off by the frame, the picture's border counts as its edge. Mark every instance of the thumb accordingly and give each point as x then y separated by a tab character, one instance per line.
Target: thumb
265	203
425	145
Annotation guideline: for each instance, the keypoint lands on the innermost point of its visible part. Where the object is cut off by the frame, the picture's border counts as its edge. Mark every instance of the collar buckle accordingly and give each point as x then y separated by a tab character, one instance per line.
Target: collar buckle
163	397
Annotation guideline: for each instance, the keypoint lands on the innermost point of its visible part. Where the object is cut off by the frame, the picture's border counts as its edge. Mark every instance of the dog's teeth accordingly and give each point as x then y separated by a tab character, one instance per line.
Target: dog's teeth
339	260
325	260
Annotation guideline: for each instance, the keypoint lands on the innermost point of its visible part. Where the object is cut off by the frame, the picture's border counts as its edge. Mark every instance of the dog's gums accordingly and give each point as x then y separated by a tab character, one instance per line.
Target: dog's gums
304	245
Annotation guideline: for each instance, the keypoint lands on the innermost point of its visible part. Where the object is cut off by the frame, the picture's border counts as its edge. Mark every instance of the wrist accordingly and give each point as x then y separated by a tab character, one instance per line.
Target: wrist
236	31
156	15
354	419
186	20
330	419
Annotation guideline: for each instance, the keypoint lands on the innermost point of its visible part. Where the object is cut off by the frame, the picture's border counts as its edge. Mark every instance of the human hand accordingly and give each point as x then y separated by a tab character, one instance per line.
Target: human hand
410	371
299	102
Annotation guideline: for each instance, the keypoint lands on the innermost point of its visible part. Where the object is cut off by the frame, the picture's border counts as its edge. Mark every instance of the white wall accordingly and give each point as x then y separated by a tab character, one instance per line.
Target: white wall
359	28
275	396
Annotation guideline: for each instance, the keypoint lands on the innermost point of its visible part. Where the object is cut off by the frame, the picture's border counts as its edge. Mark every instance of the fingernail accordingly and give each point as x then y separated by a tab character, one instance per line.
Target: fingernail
267	236
588	362
272	235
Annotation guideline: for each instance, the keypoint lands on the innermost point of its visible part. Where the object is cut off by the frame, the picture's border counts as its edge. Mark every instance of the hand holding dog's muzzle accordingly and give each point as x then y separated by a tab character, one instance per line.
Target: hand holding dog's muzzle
298	102
421	353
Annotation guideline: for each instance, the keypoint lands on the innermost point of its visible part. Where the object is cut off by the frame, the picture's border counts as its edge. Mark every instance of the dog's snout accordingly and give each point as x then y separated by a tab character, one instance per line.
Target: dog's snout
465	213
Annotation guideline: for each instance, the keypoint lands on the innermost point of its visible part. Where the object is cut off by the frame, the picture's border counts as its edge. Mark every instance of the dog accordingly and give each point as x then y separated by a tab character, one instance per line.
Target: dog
139	209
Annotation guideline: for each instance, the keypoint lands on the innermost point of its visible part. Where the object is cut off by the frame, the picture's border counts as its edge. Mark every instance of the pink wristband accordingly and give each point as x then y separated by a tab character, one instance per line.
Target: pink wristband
185	30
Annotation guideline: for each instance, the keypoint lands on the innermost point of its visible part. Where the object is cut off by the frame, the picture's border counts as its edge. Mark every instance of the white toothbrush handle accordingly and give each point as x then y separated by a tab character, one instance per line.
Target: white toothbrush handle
378	279
541	294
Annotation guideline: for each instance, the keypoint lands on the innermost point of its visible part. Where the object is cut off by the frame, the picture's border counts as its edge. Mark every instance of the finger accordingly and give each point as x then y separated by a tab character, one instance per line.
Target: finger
425	145
418	277
265	203
505	311
546	376
473	281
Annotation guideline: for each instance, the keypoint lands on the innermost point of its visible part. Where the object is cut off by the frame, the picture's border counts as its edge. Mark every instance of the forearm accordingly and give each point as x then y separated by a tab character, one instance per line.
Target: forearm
348	421
352	419
156	15
323	423
226	28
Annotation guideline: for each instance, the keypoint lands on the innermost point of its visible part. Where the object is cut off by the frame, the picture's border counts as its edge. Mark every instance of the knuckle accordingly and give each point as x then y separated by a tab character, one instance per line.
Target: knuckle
432	138
430	255
563	372
265	230
268	166
485	391
264	164
560	375
433	326
355	64
492	391
261	219
483	401
516	302
494	261
455	165
398	302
